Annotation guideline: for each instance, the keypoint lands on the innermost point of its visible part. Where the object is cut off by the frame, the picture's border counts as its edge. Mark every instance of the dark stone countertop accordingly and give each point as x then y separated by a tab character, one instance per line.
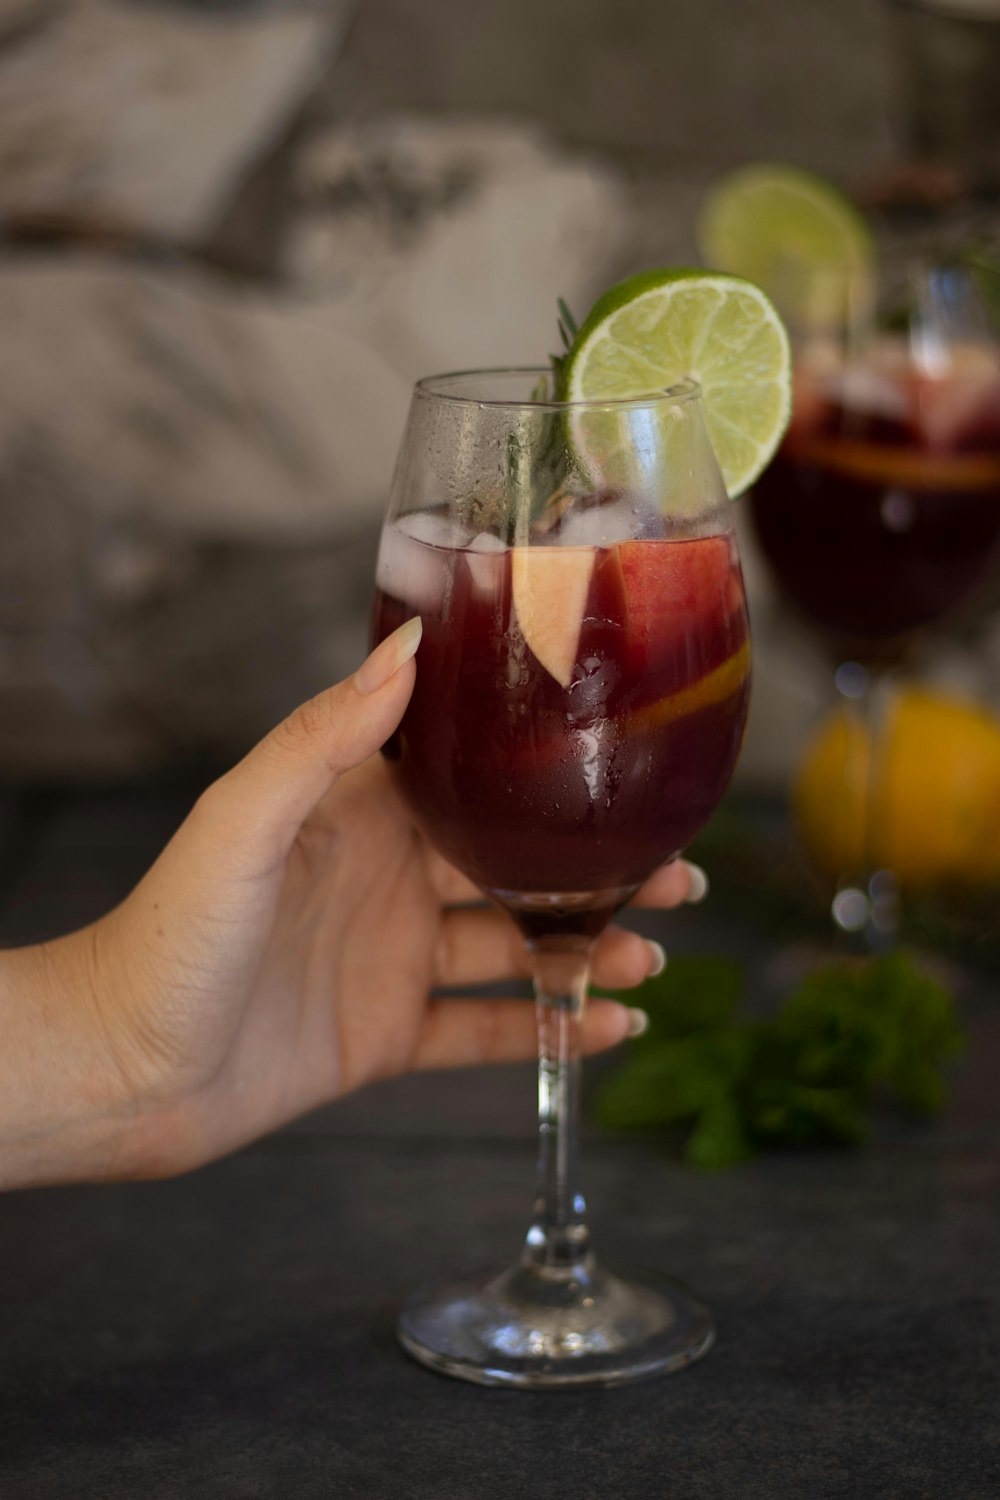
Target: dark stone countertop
229	1334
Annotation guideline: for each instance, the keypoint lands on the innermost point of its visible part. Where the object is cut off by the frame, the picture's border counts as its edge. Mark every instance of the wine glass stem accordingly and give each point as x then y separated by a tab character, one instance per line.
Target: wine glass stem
558	1237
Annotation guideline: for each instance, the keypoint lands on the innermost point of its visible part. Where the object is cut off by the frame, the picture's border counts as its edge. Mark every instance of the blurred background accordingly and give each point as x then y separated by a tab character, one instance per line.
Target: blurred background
235	231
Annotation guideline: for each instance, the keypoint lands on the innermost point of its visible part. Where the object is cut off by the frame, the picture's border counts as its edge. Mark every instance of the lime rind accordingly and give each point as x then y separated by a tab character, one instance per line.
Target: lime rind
661	328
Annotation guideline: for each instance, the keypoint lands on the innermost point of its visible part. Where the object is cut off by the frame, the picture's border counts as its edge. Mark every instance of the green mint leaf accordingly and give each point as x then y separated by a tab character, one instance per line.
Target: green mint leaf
830	1035
921	1030
806	1077
783	1112
719	1138
662	1083
643	1094
692	994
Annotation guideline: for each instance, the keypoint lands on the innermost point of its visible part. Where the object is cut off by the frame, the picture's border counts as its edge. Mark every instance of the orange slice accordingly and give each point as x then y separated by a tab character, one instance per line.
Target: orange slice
715	687
550	586
909	468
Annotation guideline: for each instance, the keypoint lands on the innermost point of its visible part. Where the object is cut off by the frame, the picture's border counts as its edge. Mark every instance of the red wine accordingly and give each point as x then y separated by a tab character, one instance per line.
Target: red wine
529	784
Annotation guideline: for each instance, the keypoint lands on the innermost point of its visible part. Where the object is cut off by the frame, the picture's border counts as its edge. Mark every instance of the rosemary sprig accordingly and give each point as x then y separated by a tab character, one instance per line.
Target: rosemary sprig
537	458
568	330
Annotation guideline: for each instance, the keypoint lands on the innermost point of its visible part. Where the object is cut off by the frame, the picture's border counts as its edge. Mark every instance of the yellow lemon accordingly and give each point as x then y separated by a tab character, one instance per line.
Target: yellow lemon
935	810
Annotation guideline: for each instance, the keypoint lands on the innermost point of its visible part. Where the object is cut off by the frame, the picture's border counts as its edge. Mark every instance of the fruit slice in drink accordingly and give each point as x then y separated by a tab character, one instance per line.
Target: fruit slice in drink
550	588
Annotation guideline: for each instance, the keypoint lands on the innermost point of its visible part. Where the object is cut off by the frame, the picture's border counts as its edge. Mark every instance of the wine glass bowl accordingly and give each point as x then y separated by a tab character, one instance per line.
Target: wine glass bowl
581	692
881	512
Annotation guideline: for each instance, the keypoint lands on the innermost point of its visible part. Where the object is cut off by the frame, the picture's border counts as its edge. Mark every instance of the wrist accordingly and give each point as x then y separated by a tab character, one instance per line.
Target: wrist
65	1114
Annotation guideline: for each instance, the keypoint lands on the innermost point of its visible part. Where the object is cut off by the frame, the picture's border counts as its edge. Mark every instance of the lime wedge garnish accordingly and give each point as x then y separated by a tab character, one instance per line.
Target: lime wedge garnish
792	233
660	328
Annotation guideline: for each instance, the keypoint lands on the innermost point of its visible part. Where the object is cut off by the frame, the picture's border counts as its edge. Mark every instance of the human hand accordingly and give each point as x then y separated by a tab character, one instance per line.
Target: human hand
281	952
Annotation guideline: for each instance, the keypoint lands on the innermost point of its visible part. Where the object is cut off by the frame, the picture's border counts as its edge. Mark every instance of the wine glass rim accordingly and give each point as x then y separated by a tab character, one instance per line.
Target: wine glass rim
435	387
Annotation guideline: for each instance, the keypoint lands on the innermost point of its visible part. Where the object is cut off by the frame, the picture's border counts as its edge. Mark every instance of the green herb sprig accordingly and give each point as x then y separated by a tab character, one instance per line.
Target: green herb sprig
568	330
850	1033
537	458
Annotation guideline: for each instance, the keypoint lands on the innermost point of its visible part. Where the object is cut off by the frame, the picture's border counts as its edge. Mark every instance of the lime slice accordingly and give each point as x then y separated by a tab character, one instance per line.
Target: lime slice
661	328
792	233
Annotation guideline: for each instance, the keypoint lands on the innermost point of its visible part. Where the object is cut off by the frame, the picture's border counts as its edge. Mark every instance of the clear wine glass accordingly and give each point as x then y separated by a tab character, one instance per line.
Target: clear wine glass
582	685
880	515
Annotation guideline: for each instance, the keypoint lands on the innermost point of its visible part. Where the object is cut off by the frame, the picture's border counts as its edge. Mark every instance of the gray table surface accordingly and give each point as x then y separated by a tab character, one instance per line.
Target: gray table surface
229	1333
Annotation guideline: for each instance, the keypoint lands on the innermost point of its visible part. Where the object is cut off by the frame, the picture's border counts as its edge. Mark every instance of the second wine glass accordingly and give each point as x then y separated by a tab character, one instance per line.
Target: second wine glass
880	516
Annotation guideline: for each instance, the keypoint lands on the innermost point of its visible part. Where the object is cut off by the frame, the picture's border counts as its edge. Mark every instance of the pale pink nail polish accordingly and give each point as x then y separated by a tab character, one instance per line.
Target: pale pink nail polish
638	1021
659	958
387	658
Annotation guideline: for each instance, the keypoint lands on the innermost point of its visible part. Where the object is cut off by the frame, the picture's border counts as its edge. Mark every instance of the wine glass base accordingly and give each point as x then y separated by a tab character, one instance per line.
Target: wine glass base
539	1328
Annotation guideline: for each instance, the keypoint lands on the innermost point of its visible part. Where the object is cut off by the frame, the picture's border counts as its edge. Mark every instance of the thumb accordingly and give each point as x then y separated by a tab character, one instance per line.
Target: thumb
263	801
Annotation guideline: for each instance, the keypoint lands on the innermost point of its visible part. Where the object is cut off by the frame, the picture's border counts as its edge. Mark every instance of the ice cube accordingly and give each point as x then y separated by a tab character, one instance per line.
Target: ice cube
485	554
622	519
869	393
818	366
875	383
416	557
953	405
436	528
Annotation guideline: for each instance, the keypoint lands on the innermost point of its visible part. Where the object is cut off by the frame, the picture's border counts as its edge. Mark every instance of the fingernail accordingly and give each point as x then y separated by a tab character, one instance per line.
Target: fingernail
659	958
699	883
387	658
638	1021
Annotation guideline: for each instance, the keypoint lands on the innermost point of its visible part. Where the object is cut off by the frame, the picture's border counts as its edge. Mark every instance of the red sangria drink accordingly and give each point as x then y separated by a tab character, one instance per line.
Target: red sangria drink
881	512
578	708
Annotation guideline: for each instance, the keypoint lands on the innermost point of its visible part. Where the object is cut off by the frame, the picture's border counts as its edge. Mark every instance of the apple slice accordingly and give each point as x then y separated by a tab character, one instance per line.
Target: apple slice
670	585
550	587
